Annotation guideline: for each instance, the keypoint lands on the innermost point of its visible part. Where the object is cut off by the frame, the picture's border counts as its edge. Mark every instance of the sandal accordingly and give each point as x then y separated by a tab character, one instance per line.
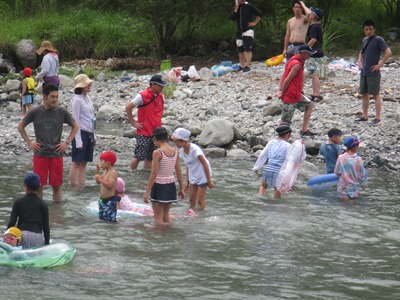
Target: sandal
361	119
317	99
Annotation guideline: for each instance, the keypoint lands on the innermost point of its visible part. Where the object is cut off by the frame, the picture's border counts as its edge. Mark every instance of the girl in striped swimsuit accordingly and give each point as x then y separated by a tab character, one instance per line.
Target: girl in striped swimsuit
161	189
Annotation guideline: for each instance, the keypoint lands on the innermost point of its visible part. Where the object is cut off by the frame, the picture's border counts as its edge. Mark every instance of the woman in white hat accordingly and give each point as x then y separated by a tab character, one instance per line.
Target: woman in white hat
50	64
85	139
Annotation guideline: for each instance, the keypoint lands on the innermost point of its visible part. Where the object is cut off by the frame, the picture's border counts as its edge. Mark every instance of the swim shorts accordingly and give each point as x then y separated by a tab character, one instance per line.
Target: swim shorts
289	108
144	148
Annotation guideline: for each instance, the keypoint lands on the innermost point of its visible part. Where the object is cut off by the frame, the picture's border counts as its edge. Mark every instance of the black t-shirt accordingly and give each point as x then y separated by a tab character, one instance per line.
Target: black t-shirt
315	32
245	15
32	214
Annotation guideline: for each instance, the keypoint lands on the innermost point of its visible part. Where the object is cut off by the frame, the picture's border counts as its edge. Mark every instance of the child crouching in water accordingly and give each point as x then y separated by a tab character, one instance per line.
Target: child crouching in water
126	203
331	149
275	152
350	170
161	189
198	170
108	181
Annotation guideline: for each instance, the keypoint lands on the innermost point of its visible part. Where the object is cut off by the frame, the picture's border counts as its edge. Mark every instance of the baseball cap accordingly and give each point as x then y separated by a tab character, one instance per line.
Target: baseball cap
351	142
307	48
317	12
158	79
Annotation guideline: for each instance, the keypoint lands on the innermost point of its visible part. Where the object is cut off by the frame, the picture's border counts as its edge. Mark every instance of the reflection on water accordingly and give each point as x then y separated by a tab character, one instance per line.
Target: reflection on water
308	245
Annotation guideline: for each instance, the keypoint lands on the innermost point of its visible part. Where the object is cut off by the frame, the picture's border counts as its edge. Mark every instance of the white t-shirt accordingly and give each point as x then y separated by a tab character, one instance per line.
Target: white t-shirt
197	175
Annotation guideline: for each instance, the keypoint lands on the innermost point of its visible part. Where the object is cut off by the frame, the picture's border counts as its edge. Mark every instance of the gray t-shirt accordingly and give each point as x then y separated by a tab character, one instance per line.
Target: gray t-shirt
48	126
372	54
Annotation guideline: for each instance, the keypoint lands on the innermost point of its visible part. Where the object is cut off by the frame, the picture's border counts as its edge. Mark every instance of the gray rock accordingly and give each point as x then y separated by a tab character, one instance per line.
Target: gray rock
214	152
272	109
66	82
25	51
217	132
237	153
12	85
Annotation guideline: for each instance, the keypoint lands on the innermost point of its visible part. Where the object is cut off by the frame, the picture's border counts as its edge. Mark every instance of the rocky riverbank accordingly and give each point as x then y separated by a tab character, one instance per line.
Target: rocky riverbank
233	115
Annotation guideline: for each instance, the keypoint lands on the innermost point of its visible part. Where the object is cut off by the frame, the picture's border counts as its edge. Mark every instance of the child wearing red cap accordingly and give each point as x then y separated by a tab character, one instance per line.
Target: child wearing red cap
27	89
108	181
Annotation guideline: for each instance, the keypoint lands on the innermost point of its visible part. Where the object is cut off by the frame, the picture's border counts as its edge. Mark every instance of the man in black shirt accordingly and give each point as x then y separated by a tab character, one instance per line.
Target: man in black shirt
31	215
243	15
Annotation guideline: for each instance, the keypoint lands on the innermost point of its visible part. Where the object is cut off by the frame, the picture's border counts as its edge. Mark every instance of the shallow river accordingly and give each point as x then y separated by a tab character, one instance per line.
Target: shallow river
306	246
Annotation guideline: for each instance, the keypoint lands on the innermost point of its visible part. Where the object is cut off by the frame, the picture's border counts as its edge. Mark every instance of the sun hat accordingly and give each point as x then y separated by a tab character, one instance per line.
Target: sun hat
282	129
82	81
317	12
181	134
27	72
158	79
46	45
109	156
32	181
351	142
306	48
120	187
14	231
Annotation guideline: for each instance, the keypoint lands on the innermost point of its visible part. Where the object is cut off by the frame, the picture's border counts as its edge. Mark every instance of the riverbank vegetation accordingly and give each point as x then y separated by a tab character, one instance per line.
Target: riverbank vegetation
118	28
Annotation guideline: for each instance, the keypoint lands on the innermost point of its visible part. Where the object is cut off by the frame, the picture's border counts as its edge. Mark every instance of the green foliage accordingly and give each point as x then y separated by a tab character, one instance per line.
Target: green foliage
101	29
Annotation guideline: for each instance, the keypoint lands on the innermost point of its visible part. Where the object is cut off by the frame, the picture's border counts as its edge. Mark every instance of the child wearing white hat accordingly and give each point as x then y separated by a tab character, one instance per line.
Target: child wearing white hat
198	170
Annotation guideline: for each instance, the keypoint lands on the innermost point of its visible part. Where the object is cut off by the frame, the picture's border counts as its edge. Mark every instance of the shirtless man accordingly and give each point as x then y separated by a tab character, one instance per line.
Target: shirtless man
108	201
296	30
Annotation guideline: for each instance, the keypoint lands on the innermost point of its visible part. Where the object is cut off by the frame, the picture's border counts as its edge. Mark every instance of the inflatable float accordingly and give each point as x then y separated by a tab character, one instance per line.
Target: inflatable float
144	209
57	254
325	182
322	182
274	61
290	169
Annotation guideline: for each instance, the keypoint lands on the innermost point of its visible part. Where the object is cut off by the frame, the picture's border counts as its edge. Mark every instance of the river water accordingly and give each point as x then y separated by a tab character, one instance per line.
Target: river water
308	245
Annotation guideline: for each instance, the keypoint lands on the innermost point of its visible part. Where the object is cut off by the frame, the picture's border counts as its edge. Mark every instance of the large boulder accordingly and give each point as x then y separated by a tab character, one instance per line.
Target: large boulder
217	132
66	82
25	51
107	111
12	85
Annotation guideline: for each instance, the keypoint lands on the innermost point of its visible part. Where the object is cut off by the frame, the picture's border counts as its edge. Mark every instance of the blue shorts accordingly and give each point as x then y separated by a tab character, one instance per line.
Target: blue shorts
28	99
86	153
108	208
270	178
144	148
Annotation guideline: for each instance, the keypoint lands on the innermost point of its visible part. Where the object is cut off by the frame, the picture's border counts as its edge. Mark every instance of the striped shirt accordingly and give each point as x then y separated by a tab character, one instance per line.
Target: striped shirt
49	66
166	168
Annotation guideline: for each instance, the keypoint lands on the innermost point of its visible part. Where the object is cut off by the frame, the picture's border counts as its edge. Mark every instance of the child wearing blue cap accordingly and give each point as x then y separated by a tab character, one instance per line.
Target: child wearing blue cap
350	170
31	215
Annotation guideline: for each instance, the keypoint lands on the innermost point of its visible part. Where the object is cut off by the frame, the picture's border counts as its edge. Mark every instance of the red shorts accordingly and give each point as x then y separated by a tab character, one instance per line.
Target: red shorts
52	168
